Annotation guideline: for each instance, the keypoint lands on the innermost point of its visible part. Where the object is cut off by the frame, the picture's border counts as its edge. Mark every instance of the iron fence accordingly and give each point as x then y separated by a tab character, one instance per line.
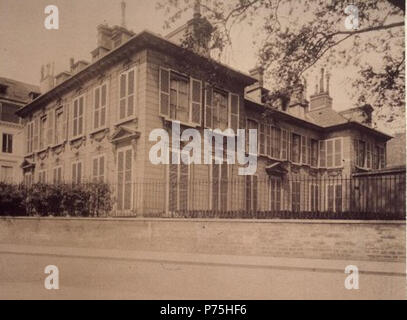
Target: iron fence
365	197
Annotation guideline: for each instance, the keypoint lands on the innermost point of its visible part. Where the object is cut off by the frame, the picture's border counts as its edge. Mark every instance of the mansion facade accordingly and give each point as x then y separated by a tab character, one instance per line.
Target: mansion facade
92	123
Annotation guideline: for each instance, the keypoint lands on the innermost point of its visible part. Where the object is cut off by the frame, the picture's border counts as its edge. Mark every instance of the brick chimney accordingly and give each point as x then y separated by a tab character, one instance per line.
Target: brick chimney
199	28
321	98
47	81
256	91
298	104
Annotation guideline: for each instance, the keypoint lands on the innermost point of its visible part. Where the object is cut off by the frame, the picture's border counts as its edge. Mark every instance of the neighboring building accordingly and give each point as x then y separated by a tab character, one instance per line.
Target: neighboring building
396	150
94	125
13	95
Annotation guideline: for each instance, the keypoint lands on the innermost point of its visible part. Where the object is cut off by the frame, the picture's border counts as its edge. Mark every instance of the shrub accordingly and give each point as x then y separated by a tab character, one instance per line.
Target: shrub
12	200
88	199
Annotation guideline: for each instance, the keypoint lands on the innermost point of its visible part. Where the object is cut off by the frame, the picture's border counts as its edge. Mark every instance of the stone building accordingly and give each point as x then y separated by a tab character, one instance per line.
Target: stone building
94	125
13	95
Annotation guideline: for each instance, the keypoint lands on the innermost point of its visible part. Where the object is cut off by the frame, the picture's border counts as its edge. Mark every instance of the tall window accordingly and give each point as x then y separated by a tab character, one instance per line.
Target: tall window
7	144
220	109
124	179
296	148
180	97
42	176
98	169
127	94
28	179
178	188
77	117
220	186
43	132
360	152
57	175
381	156
274	142
179	106
334	197
331	153
251	193
59	125
284	144
314	195
296	196
77	172
314	153
100	103
275	193
30	137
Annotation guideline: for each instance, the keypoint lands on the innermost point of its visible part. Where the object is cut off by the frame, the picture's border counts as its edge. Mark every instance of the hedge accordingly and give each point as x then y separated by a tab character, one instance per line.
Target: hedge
83	200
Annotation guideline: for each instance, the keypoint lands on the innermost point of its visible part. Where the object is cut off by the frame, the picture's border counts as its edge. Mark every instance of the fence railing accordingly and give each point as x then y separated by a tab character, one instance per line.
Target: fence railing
285	197
367	197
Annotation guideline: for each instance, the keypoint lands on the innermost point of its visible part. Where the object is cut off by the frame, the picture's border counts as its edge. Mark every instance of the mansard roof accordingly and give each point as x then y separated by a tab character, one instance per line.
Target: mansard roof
142	40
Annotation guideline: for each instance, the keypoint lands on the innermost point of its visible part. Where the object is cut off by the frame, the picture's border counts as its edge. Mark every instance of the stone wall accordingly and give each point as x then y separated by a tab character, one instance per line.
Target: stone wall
314	239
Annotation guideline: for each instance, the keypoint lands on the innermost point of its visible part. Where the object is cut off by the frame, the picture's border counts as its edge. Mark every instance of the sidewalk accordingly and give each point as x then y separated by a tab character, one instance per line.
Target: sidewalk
316	265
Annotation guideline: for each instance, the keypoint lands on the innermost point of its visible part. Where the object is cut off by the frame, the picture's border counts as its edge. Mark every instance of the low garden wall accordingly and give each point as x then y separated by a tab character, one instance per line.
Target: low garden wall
318	239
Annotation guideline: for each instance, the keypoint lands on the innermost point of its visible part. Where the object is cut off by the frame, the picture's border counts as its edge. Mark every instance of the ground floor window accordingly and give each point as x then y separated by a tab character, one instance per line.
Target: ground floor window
178	185
275	186
251	192
314	197
220	186
42	176
57	177
334	197
6	174
77	172
296	196
28	179
124	179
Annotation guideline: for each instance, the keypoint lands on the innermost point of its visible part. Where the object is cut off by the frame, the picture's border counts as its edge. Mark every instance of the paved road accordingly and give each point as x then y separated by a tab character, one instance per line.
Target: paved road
22	277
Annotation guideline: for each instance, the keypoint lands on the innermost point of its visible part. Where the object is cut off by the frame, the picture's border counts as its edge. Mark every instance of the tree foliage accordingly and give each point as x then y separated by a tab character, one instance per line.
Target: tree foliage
293	36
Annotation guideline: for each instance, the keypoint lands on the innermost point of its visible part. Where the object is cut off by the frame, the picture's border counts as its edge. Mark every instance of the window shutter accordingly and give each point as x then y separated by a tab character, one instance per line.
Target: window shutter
234	112
97	108
80	116
164	83
103	101
27	137
131	81
50	131
356	151
322	154
65	110
95	169
36	131
209	107
74	173
196	101
102	169
338	152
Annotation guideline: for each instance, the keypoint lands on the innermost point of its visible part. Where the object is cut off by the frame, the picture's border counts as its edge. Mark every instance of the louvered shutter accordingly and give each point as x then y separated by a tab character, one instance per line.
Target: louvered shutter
196	101
209	107
50	131
36	133
234	112
164	88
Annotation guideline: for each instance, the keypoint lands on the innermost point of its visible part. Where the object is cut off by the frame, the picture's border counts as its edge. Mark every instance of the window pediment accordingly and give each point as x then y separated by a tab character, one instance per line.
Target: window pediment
123	134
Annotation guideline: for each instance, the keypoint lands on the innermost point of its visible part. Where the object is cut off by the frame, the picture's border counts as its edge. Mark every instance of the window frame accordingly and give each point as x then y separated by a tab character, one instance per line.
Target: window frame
54	176
8	145
79	179
98	176
126	95
100	108
82	117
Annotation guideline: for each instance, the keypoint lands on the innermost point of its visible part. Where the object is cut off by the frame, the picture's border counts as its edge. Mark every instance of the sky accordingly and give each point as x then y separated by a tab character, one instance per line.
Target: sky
25	44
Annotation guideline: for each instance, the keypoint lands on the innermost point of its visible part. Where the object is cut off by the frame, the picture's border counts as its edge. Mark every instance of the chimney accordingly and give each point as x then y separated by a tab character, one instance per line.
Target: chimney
199	28
47	77
321	99
123	7
256	90
298	103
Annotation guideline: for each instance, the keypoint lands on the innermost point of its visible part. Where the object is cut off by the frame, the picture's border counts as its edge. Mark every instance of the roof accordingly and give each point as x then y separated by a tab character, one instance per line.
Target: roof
325	120
144	39
326	117
384	171
17	91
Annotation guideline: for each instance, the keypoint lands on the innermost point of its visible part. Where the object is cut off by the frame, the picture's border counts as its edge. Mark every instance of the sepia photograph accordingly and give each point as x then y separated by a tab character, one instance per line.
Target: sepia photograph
184	151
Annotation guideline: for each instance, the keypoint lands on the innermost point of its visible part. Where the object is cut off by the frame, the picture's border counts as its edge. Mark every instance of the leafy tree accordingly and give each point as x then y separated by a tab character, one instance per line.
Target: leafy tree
293	36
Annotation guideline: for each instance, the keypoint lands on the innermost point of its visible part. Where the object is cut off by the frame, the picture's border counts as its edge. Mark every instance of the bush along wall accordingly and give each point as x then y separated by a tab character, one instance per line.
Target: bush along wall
82	200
